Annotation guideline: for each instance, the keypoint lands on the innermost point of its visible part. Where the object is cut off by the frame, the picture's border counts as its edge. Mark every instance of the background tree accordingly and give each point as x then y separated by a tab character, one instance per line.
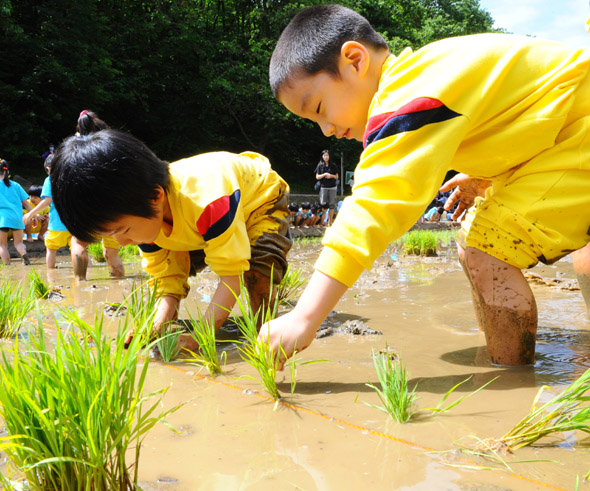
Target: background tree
185	76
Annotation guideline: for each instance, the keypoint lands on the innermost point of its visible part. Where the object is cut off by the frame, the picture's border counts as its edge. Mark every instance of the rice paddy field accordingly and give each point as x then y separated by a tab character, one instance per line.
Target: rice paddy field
201	431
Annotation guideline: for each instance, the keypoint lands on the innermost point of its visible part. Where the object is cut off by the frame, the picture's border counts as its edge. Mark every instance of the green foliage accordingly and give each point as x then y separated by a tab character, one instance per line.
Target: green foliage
129	253
180	65
95	252
14	306
203	332
37	287
72	417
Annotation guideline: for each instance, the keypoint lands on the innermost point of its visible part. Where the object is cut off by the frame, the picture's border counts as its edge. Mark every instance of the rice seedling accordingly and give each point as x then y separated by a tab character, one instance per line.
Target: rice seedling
565	412
289	285
253	350
203	332
394	393
167	343
307	240
76	414
14	307
37	287
141	306
293	363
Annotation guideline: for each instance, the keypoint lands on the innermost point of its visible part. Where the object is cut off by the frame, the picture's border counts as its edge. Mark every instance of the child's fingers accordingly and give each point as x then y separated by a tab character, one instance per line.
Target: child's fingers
128	339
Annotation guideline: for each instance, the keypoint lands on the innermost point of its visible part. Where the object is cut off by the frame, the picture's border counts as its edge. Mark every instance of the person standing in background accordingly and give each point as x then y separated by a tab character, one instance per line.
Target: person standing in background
326	173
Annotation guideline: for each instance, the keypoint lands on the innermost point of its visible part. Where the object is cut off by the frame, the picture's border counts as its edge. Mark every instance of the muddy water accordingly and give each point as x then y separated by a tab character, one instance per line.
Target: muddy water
230	436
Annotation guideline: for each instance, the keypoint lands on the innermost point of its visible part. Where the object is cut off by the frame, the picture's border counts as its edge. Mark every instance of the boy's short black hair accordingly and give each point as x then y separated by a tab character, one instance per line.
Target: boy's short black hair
35	190
440	210
97	178
305	205
293	207
311	42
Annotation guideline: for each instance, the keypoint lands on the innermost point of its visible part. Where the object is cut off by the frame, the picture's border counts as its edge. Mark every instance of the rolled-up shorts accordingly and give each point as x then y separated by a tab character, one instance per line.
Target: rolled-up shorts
541	210
110	242
270	240
54	239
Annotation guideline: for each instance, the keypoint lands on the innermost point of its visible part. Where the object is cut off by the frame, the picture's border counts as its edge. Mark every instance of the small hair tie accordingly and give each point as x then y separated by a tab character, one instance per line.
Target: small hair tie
83	113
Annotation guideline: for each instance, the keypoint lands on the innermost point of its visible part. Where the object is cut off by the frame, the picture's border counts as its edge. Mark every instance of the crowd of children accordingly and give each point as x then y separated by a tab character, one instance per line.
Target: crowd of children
311	215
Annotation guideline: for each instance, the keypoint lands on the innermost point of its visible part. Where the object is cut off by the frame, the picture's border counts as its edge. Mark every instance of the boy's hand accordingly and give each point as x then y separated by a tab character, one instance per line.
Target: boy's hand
466	190
289	333
167	311
296	330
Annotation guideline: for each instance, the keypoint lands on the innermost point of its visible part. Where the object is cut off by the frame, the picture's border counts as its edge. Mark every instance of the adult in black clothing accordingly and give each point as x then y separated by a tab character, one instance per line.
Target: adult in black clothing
326	173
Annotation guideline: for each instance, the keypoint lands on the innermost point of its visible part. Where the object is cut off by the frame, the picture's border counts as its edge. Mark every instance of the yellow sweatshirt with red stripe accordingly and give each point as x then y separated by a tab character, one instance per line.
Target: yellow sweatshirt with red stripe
481	104
211	196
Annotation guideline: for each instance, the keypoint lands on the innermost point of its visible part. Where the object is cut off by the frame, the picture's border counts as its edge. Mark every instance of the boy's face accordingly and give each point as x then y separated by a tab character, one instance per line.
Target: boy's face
35	199
335	104
131	229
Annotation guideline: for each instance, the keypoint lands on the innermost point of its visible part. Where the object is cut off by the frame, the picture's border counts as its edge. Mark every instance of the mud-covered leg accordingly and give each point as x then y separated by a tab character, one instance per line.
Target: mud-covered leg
581	260
259	287
474	296
508	311
79	253
114	262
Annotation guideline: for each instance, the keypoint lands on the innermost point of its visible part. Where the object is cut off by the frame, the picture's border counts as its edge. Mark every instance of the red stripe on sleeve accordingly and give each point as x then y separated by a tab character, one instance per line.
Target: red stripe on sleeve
417	105
213	212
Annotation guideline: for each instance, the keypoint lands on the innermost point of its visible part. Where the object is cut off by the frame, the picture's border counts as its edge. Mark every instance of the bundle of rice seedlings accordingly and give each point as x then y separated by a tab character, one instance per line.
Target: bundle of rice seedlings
420	243
76	414
37	287
565	412
14	307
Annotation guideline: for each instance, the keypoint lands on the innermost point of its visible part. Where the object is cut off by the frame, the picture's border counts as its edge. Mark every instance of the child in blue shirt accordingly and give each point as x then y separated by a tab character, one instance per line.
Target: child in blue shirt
12	200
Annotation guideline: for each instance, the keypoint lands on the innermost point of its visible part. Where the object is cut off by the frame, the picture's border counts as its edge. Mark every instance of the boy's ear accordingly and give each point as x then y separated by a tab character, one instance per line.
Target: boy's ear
355	56
160	196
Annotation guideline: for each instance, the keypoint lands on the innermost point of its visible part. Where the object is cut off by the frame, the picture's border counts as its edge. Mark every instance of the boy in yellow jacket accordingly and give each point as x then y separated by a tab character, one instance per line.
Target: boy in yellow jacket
225	210
512	114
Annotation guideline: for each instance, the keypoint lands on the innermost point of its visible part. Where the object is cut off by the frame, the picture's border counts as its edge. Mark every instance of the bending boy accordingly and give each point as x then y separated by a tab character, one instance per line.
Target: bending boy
504	109
220	209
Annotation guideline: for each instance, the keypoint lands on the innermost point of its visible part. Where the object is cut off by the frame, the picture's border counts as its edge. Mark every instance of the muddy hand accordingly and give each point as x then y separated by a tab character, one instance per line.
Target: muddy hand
466	189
